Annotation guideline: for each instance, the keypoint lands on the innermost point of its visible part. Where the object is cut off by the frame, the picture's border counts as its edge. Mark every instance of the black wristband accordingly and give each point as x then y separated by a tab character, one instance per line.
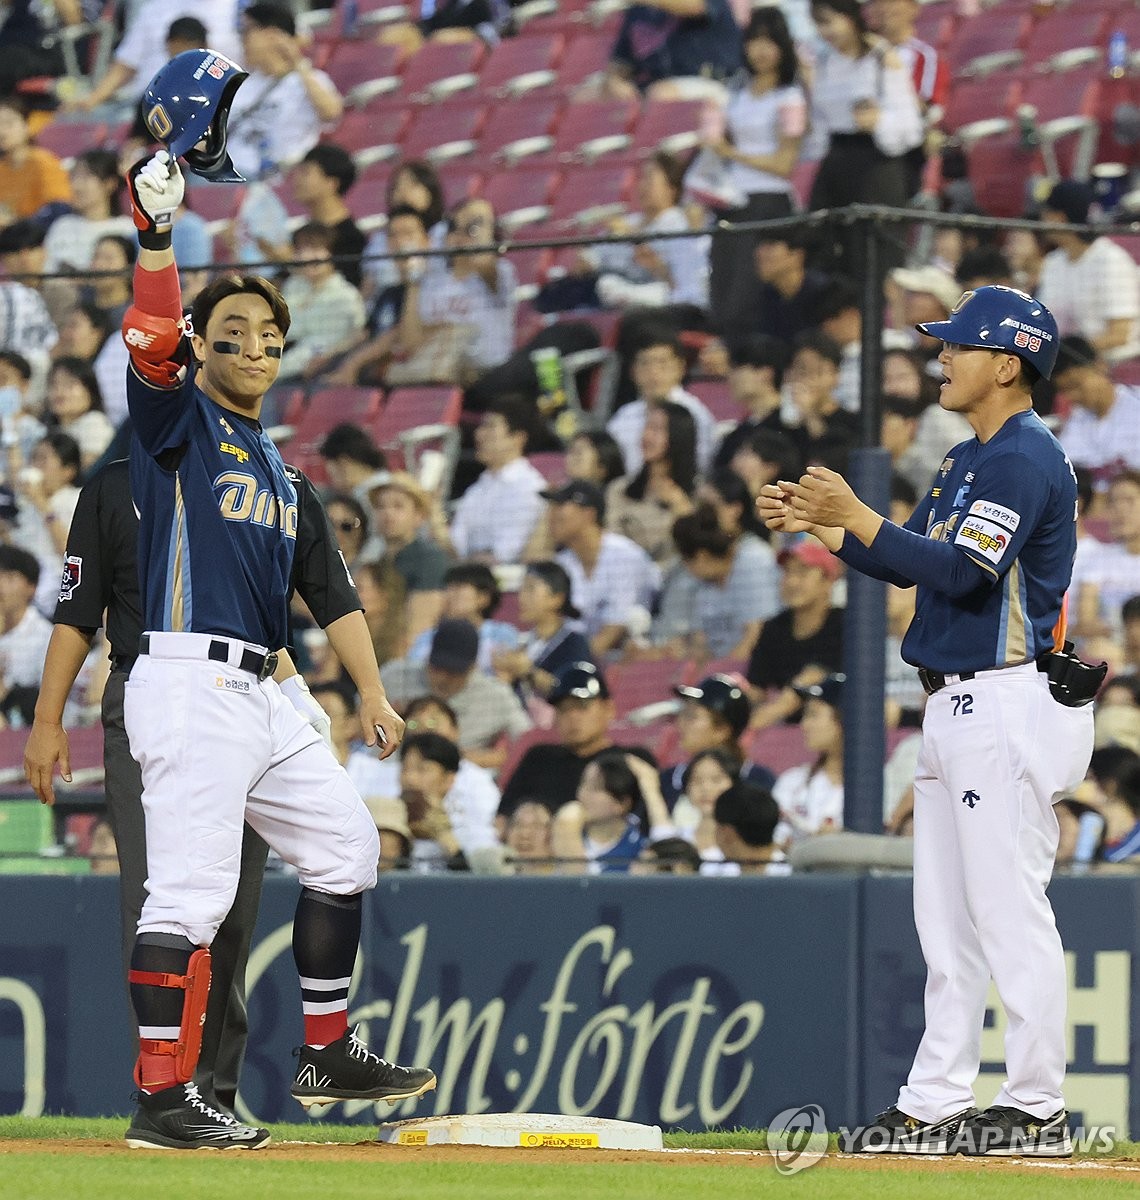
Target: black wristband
153	239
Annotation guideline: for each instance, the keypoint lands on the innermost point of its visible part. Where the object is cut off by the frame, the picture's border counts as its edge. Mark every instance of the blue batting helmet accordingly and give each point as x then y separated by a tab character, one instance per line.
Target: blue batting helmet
187	102
1001	318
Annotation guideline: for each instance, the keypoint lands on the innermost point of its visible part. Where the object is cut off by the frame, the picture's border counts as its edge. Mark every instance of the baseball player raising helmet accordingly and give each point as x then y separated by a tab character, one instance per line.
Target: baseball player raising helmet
1006	730
217	742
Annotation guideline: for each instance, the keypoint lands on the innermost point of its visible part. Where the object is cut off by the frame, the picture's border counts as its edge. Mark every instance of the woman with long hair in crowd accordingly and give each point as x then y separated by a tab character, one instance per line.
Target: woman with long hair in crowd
74	406
416	184
96	198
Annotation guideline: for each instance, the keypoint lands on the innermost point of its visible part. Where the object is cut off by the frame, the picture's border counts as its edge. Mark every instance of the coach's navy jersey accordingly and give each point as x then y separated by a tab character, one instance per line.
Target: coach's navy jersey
1010	504
217	517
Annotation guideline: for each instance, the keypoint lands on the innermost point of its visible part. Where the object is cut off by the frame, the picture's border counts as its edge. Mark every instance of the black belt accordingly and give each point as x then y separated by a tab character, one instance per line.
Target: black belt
123	662
935	681
261	665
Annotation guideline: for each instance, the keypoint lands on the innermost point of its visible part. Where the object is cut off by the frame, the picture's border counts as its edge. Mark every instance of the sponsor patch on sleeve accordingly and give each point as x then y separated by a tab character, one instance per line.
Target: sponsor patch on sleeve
990	511
72	576
984	537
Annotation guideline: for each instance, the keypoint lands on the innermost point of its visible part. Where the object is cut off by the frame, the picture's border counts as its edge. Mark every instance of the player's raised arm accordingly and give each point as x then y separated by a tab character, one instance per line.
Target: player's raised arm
152	326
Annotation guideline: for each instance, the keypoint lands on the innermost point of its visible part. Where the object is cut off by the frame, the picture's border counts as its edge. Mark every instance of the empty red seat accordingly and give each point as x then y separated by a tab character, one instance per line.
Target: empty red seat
585	56
1063	94
935	22
442	131
365	65
561	16
716	396
588	194
408	408
778	748
215	201
671	125
1082	24
519	128
521	64
550	464
66	139
984	35
636	684
522	195
461	178
333	406
978	98
381	124
999	169
439	69
589	128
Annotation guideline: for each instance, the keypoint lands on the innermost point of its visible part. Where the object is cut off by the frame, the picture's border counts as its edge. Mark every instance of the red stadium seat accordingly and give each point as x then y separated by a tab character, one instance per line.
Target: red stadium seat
591	193
585	56
1079	25
521	195
716	396
560	16
672	125
778	748
550	464
440	69
333	406
518	747
215	201
1066	105
936	22
999	170
590	128
376	127
521	64
408	408
636	684
984	37
981	98
443	131
66	139
368	196
361	69
519	128
461	178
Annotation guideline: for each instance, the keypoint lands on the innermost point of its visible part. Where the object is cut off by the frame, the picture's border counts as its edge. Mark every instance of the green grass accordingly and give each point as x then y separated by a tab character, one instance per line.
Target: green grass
368	1173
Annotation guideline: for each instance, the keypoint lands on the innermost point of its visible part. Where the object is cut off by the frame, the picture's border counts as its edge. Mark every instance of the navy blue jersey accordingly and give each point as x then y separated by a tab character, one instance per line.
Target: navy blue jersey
217	517
1010	505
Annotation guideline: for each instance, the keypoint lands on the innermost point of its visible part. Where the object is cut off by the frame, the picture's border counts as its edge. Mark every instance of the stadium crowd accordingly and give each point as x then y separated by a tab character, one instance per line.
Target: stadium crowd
541	465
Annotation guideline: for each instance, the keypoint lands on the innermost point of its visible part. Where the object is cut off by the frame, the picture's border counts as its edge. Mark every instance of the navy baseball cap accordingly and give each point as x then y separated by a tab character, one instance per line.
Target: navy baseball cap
829	690
454	646
722	695
580	680
580	492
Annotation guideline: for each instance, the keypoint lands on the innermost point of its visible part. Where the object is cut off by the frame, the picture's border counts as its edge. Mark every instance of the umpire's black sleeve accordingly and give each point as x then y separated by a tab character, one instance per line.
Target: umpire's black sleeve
320	574
88	570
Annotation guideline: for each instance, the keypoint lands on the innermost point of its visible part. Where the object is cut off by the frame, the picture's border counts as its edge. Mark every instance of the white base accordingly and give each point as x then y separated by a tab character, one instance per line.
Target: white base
524	1131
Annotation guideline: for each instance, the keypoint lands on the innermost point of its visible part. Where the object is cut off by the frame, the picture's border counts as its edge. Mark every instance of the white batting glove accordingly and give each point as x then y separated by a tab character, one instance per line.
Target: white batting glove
297	691
157	189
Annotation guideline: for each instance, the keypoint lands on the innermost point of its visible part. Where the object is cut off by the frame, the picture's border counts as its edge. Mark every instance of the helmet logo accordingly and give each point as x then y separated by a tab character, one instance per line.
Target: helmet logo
1026	341
963	300
159	123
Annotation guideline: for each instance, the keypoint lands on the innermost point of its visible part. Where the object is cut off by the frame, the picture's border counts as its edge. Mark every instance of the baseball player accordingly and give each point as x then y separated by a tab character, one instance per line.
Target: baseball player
1005	734
217	742
101	575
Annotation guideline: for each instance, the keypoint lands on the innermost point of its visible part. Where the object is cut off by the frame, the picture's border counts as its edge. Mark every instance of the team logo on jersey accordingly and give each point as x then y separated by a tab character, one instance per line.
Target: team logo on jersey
240	498
944	470
987	537
238	453
72	576
970	798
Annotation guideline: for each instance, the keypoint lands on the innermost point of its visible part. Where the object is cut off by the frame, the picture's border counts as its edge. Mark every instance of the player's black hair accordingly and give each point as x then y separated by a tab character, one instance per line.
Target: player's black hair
775	447
23	562
1130	610
18	363
610	459
619	780
406	210
347	440
233	284
819	343
770	23
22	235
1074	351
761	350
313	233
680	454
726	757
700	530
431	700
67	450
750	810
733	490
983	265
427	177
187	29
903	491
433	747
84	374
271	16
335	162
128	246
481	578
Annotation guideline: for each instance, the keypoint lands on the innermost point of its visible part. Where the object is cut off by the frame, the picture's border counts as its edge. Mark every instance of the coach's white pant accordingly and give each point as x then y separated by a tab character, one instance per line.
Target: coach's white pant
218	748
980	871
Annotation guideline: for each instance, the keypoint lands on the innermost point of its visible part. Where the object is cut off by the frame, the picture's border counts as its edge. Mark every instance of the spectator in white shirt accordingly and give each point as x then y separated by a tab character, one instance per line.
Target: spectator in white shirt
497	514
278	113
1089	283
24	632
96	186
1108	573
613	581
658	370
811	796
1103	429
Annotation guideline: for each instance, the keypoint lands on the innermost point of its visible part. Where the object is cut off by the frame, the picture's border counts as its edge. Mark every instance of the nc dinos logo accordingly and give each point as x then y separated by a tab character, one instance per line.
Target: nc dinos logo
159	123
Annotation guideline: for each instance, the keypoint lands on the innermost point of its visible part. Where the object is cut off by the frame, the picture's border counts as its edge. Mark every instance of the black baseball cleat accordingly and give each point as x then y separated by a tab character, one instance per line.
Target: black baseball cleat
894	1132
1008	1132
182	1118
348	1070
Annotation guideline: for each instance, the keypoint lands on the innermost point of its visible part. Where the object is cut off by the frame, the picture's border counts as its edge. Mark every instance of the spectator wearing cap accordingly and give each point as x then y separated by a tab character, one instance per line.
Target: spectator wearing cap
811	796
756	374
747	818
923	294
714	715
24	634
352	459
657	371
554	639
612	579
1102	431
30	177
737	587
487	708
1089	283
471	593
548	773
802	642
497	514
404	512
825	430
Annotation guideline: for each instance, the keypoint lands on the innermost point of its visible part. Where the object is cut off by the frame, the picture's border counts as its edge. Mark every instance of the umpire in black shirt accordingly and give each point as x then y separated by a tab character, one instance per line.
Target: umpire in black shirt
101	574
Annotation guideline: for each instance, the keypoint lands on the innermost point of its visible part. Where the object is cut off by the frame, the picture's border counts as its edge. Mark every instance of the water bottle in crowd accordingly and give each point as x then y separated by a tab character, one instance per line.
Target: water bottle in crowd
1090	826
1118	54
